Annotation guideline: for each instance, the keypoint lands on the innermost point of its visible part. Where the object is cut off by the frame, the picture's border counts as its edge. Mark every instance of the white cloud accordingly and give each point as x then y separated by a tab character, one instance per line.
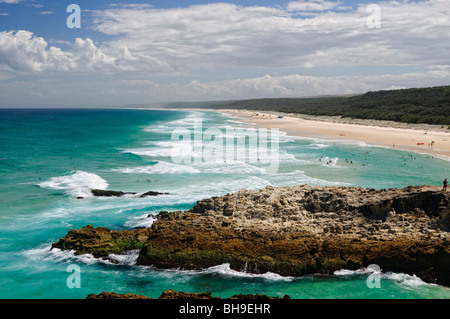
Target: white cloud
312	5
222	34
296	85
21	51
98	91
220	49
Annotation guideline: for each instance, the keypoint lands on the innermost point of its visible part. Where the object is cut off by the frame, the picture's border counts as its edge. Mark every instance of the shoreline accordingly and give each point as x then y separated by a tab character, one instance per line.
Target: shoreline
416	138
419	138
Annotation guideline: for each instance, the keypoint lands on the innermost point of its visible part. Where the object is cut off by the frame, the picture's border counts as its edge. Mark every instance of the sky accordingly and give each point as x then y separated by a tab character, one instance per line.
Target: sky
149	52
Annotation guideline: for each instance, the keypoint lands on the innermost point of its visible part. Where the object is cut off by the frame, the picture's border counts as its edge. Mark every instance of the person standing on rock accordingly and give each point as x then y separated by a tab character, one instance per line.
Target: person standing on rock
445	185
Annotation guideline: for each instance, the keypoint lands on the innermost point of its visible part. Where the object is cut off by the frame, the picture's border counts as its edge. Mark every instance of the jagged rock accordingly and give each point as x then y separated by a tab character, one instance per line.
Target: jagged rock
257	296
113	295
444	218
103	193
299	230
172	294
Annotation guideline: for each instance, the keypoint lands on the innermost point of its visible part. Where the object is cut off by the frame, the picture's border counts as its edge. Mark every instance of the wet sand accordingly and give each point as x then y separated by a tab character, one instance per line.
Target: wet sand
418	138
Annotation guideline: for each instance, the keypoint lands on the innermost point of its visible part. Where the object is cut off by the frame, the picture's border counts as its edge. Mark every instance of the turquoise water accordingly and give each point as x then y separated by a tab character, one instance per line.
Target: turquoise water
48	158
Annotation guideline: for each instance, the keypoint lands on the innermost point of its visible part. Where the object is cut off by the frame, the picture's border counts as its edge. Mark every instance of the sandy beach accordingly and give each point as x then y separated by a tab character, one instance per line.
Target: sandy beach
418	138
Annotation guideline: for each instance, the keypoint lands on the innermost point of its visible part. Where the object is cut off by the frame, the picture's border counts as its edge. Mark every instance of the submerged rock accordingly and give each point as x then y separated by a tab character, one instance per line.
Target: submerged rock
100	192
108	193
152	193
299	230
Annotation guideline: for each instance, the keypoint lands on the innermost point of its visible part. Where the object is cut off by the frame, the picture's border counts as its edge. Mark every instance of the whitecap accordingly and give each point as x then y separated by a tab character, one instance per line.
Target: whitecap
201	191
229	168
224	270
128	258
298	177
162	129
188	121
160	167
181	150
76	183
45	252
348	273
251	182
411	281
140	221
320	145
281	137
286	157
236	122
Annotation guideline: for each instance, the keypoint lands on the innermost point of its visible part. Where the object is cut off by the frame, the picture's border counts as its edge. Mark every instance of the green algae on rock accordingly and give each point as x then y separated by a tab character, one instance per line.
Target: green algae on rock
101	241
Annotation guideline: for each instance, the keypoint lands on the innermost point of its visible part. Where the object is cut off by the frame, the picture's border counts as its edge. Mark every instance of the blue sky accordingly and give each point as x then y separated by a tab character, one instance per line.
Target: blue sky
140	52
48	18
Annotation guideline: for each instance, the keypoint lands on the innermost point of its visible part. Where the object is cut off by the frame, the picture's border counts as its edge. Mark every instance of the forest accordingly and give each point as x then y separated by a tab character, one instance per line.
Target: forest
417	105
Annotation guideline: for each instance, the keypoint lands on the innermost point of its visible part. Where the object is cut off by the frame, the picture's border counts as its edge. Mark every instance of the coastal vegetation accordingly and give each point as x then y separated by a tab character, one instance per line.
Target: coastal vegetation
416	105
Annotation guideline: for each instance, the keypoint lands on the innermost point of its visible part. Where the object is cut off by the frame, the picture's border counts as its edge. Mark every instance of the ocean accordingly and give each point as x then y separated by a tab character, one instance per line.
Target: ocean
51	158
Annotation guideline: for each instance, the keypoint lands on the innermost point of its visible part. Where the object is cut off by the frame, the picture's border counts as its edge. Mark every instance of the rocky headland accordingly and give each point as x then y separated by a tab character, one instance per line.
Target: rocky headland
293	231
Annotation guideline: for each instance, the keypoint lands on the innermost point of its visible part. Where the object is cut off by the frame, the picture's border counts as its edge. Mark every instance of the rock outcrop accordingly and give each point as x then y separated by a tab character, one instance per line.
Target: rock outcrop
101	241
112	295
299	230
111	193
172	294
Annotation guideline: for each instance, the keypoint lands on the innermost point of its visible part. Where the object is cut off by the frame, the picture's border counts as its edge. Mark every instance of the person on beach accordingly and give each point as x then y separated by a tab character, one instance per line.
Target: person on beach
445	185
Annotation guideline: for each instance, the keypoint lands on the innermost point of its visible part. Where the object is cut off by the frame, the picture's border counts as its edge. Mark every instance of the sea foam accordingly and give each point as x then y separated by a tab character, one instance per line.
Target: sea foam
224	270
298	177
160	167
409	281
76	183
46	253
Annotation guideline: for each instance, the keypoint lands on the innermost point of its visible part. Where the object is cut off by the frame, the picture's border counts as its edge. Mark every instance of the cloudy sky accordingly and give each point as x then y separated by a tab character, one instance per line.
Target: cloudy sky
194	50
